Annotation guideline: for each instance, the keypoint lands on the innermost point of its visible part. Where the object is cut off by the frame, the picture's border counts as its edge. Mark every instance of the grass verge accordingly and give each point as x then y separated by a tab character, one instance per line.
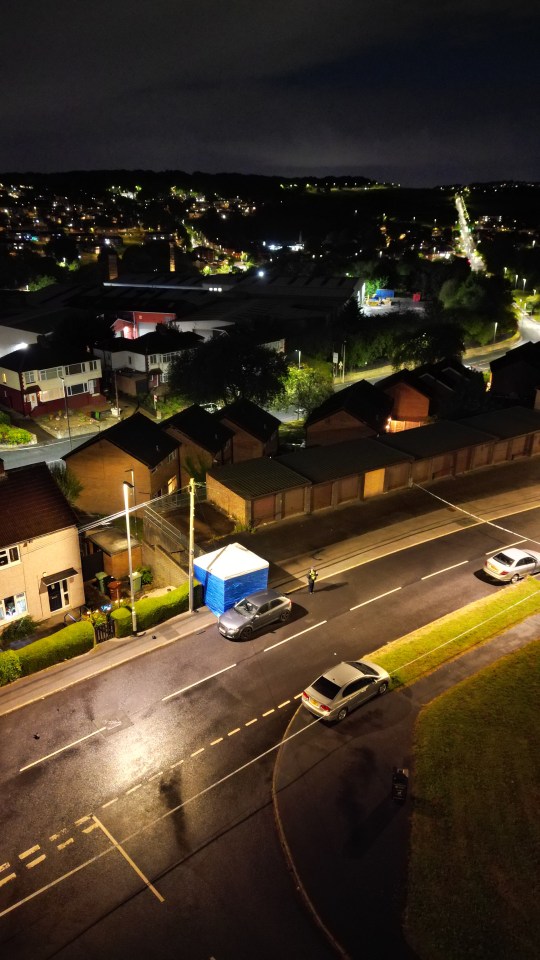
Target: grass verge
474	865
424	650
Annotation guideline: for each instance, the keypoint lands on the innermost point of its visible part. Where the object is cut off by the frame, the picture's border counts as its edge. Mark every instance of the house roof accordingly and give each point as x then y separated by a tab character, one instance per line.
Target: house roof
257	478
511	422
362	400
435	439
138	437
39	356
201	427
528	353
403	376
160	341
31	505
251	418
320	464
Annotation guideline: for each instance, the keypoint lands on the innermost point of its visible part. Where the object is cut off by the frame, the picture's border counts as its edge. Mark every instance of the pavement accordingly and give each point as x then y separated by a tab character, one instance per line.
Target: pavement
352	875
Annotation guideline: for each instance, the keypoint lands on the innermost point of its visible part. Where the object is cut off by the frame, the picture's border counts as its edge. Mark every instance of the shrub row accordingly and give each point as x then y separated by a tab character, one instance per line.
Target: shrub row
66	643
153	610
10	667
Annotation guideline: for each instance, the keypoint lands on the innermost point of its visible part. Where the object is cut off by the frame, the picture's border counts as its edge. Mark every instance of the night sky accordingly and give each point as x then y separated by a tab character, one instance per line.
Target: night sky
421	92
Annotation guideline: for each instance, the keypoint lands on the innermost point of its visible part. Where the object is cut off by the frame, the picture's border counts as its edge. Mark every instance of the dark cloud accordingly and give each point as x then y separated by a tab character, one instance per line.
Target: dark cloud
418	92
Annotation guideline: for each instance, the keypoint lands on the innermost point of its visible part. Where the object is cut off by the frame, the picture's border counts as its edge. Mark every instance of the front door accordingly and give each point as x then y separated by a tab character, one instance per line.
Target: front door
58	595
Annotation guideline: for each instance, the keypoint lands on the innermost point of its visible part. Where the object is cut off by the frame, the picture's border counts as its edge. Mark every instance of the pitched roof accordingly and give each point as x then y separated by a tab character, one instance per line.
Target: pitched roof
403	376
251	418
257	478
435	439
320	464
362	400
31	505
39	356
528	353
163	341
507	423
201	427
137	436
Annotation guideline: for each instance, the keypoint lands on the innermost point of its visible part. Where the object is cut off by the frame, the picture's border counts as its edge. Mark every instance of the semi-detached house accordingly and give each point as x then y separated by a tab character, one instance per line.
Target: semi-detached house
41	378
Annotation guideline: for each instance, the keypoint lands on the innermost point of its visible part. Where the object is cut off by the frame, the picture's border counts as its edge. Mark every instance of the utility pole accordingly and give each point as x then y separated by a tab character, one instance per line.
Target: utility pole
343	367
191	539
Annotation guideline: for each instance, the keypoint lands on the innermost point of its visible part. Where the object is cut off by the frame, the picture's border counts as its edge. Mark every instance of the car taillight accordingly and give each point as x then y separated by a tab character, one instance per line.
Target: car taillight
324	707
305	695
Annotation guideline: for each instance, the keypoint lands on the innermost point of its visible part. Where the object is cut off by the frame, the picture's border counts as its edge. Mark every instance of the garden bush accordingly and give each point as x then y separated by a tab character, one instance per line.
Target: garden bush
18	630
10	667
66	643
153	610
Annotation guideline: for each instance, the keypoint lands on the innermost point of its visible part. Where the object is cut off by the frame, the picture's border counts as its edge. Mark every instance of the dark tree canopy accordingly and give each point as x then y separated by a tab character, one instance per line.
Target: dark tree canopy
226	368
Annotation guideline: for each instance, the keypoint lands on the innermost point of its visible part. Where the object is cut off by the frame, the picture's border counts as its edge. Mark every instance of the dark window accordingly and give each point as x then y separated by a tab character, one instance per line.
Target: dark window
327	688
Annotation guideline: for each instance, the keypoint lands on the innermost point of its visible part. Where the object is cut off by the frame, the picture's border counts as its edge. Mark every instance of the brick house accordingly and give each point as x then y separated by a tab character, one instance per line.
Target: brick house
361	410
411	400
40	561
135	450
41	379
204	441
516	375
255	432
142	365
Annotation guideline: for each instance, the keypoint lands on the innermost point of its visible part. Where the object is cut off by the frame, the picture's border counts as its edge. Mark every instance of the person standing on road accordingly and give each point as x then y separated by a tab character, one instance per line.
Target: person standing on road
311	578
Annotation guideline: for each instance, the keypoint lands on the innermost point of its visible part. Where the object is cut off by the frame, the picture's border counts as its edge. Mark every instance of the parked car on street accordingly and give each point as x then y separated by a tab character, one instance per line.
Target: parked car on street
254	612
511	565
344	687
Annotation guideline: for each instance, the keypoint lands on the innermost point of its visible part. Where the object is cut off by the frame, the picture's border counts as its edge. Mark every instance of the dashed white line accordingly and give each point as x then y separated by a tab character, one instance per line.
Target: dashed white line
197	682
66	843
109	803
249	722
62	749
177	764
10	876
214	742
372	599
82	820
232	732
34	863
284	704
294	636
196	752
4	866
268	712
133	789
506	547
155	776
445	569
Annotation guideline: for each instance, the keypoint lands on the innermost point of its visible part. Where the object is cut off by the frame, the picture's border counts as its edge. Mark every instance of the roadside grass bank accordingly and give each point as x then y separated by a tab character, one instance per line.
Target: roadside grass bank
422	651
474	862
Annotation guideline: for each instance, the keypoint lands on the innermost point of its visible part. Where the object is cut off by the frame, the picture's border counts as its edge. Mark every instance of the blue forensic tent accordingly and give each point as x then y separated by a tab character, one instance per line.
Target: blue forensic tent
229	574
383	295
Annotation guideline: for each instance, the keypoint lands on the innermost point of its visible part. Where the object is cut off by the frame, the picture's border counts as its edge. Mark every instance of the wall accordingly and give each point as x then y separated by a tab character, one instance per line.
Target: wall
341	426
102	469
231	503
409	404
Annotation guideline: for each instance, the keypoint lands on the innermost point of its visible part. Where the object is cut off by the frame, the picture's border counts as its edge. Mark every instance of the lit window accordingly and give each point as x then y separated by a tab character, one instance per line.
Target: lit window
8	556
13	607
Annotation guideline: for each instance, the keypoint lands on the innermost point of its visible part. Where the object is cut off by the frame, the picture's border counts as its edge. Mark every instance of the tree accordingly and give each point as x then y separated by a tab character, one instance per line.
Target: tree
228	368
306	388
427	346
69	484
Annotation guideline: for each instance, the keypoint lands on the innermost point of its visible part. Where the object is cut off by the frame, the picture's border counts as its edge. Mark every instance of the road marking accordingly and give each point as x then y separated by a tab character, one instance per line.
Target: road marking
133	789
177	764
28	853
34	863
66	843
109	802
297	696
82	820
61	750
155	776
445	569
4	866
196	684
284	704
248	724
506	547
10	876
232	732
219	739
295	635
268	712
197	752
90	828
129	860
372	600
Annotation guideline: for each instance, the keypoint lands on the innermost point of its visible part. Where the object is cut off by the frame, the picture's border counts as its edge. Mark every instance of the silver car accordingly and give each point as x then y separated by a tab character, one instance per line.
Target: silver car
253	613
344	687
511	565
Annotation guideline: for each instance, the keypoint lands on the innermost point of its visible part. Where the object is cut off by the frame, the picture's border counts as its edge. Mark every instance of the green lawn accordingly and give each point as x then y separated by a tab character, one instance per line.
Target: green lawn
473	888
475	846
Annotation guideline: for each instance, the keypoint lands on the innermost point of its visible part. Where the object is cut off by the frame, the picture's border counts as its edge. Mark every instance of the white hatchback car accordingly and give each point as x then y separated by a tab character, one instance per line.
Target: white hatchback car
511	565
344	687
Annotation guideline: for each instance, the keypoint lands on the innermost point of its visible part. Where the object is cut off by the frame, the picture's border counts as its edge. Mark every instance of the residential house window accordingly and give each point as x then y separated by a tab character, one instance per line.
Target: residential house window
4	378
152	358
171	457
12	607
29	377
8	556
92	365
58	595
75	388
52	373
172	484
74	368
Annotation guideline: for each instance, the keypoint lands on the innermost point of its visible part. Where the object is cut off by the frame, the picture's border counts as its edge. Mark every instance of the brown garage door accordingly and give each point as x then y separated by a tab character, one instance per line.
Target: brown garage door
373	483
397	477
347	489
321	496
293	502
443	465
264	509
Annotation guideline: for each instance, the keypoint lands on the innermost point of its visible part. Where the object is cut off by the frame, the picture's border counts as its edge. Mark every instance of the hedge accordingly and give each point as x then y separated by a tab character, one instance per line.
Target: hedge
10	666
66	643
153	610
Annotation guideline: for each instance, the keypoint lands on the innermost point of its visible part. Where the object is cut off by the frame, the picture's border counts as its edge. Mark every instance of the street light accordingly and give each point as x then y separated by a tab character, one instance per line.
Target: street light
516	283
129	486
67	413
524	282
495	330
299	352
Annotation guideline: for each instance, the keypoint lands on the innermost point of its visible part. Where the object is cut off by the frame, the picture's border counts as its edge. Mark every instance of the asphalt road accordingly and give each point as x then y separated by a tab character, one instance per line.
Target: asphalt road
137	815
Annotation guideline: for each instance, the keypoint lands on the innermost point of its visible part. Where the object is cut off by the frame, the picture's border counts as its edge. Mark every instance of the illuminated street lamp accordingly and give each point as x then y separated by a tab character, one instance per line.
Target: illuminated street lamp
495	330
129	486
67	413
524	282
516	283
299	352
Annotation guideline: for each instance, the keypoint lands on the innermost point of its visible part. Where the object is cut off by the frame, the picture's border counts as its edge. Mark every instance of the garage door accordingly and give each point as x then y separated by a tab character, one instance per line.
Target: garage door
397	477
347	489
321	496
373	483
293	502
264	509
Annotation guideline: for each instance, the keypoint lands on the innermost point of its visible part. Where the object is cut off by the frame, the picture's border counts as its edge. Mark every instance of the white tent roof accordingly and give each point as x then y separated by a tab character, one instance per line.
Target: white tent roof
231	561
